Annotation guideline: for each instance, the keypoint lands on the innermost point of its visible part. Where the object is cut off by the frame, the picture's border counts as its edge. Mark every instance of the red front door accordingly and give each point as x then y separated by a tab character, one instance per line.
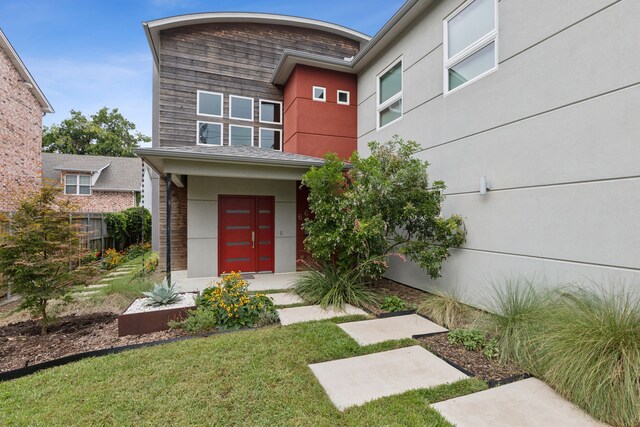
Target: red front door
246	231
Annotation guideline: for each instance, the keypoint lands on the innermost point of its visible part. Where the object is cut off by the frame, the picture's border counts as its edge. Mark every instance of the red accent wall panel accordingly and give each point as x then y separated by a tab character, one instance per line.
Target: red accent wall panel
313	127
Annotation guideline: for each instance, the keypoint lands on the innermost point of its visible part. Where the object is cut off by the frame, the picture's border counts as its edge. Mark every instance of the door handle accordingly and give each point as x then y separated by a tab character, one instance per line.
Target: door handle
253	239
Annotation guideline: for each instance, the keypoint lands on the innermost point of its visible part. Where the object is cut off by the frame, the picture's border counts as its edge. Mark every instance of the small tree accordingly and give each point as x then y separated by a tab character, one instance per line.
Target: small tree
379	206
39	246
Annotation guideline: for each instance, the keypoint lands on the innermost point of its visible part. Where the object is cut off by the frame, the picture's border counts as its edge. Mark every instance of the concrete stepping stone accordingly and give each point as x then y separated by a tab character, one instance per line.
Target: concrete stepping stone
117	273
309	313
374	331
526	403
87	294
267	282
98	286
285	298
357	380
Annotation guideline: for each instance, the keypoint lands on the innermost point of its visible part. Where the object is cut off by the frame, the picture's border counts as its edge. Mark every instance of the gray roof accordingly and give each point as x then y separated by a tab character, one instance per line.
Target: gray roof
118	173
235	154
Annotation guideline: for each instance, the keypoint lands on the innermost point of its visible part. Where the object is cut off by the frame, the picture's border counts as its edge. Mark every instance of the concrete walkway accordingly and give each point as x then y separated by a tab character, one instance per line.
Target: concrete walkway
260	282
285	298
289	316
357	380
374	331
526	403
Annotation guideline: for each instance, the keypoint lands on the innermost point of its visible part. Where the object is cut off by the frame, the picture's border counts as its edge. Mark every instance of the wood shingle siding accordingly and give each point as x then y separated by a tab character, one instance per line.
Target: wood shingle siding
228	58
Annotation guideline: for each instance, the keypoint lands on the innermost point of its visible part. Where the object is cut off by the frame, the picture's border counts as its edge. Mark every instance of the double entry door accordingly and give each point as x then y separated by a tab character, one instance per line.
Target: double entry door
246	234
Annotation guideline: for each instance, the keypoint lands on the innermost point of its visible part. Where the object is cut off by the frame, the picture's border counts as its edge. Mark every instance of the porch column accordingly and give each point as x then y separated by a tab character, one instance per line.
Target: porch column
168	221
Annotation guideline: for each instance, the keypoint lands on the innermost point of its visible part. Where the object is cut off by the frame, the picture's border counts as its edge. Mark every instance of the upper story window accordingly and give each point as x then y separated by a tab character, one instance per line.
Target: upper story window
319	93
209	133
240	108
343	97
270	139
240	135
77	184
270	112
470	43
390	94
209	104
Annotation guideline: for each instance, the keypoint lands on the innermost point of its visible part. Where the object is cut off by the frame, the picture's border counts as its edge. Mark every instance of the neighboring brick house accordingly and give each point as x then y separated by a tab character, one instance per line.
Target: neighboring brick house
22	105
96	183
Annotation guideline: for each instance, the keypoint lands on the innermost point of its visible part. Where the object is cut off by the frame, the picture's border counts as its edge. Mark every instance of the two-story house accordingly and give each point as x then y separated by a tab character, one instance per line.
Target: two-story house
525	109
22	106
95	183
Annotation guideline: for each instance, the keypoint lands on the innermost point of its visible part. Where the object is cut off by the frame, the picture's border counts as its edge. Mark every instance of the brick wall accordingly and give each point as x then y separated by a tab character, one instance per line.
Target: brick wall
105	201
20	136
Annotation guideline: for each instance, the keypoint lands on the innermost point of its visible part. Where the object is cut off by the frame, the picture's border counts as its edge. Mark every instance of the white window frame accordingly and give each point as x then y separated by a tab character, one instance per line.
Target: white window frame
260	101
394	98
199	122
260	137
77	184
231	98
241	126
198	113
348	97
313	93
484	41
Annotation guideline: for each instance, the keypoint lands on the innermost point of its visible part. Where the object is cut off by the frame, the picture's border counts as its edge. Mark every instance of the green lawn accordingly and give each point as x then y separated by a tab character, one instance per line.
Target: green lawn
246	378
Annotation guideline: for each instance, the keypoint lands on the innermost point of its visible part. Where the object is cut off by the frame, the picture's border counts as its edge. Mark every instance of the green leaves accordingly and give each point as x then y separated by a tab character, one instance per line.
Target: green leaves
377	206
106	133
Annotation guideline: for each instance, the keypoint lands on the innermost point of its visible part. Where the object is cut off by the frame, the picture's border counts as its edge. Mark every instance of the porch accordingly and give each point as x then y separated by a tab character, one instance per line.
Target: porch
227	208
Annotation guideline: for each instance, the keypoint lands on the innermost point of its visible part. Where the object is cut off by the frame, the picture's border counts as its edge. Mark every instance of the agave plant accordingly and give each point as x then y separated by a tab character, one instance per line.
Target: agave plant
162	294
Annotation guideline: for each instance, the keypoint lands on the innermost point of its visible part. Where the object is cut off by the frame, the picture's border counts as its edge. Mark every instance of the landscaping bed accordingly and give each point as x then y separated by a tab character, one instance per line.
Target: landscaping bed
413	297
474	362
22	345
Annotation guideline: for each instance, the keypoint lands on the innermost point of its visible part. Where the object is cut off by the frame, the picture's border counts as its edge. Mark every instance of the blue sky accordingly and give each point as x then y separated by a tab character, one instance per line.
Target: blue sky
86	54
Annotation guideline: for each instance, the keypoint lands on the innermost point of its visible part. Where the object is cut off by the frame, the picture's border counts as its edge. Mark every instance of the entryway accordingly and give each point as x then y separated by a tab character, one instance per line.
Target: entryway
246	233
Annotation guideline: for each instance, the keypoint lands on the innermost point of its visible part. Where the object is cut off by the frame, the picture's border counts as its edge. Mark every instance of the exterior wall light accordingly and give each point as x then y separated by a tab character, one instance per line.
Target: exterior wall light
484	185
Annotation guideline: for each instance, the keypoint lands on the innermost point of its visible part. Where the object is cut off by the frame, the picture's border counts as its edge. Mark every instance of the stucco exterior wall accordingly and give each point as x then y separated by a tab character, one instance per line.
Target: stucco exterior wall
20	137
202	220
554	130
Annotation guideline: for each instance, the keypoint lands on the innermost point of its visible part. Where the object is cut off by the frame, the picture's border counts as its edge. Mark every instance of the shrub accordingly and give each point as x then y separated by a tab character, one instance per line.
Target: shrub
327	285
130	226
112	259
232	305
591	353
393	303
446	310
39	249
90	257
151	263
134	251
200	320
383	205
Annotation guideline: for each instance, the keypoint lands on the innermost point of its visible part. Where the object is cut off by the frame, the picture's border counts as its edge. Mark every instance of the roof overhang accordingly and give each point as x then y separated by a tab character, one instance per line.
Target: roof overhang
221	165
27	78
401	20
153	28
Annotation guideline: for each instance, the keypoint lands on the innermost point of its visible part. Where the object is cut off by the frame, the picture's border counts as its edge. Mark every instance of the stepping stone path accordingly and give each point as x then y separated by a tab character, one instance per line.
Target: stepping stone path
309	313
375	331
117	273
526	403
357	380
285	299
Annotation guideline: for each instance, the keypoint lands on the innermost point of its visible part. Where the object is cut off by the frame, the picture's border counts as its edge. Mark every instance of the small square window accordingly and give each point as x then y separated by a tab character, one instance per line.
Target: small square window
270	112
209	133
343	97
271	139
319	94
240	135
241	108
209	104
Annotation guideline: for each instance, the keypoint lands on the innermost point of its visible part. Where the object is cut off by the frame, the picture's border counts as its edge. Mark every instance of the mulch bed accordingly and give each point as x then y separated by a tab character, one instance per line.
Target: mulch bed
22	345
412	296
473	362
